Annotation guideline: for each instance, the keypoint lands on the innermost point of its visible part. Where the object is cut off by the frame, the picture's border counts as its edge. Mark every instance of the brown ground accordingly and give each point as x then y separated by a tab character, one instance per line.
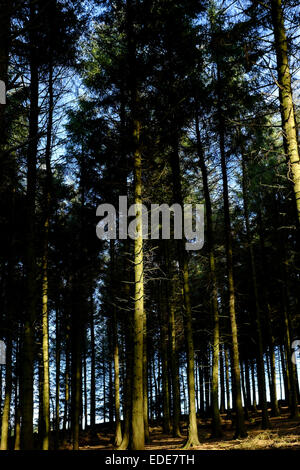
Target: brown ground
284	434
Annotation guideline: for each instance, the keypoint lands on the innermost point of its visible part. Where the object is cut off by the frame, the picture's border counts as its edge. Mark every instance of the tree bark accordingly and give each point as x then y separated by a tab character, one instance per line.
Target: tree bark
286	98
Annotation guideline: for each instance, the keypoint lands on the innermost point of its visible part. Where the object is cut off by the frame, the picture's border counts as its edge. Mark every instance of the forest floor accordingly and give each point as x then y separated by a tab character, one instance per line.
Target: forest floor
283	434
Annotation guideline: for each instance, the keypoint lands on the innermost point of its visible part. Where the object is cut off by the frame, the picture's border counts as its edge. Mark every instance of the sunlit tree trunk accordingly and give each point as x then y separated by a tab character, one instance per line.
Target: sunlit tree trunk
137	416
45	312
118	430
286	98
7	397
138	432
222	380
127	406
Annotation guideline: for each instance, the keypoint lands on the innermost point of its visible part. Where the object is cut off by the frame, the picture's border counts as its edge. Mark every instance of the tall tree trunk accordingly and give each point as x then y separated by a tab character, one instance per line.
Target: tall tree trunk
9	322
246	411
85	407
216	420
118	430
240	424
192	438
286	98
67	388
57	378
271	340
5	41
164	360
45	312
138	432
248	386
8	391
260	351
28	346
76	380
145	383
206	383
137	417
174	370
128	381
284	375
201	385
93	368
254	402
222	381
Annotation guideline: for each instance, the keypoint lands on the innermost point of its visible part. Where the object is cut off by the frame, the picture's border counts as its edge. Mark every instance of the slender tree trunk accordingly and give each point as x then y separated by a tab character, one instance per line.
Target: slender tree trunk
138	432
85	407
244	391
240	424
216	420
172	346
111	386
9	332
201	385
28	346
285	375
164	360
206	385
137	417
45	313
7	398
145	383
93	368
17	445
227	381
192	439
57	378
222	381
271	340
118	430
76	384
260	351
254	402
128	381
248	387
5	42
286	98
67	390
